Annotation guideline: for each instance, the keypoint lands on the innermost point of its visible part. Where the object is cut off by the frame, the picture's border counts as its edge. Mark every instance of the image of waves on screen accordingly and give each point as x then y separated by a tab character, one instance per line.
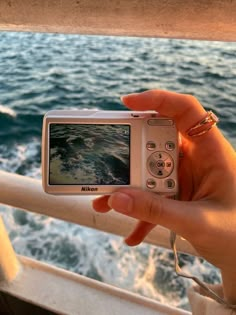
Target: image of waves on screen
89	154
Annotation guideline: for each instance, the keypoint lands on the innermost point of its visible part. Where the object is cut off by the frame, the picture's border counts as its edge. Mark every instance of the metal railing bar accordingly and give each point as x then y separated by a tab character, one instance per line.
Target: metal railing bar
27	193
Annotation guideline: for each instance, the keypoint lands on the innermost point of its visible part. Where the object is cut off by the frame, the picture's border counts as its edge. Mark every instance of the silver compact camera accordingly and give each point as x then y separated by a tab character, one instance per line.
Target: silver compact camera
97	152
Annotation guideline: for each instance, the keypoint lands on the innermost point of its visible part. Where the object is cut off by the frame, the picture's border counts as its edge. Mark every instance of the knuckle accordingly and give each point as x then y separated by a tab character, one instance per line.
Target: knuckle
154	209
153	95
192	100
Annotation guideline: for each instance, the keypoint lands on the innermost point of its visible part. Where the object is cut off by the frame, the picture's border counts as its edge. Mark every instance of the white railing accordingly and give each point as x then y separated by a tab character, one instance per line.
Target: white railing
27	193
191	19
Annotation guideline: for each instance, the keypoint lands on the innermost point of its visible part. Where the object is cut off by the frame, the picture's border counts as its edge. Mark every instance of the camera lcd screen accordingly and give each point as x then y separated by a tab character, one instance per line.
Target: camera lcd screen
89	154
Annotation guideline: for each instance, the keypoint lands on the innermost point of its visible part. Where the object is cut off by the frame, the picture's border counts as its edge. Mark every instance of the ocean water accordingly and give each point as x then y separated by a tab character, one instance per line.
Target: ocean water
40	72
84	155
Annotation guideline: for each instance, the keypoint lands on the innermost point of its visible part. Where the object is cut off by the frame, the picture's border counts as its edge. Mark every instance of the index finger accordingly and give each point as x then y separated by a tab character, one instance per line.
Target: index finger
184	109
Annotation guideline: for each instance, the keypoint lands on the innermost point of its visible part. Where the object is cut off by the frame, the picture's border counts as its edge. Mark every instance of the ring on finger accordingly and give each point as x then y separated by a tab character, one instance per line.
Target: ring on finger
204	125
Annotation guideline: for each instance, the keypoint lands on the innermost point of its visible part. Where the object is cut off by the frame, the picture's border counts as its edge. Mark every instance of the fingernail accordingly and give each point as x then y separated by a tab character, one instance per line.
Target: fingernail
123	98
121	202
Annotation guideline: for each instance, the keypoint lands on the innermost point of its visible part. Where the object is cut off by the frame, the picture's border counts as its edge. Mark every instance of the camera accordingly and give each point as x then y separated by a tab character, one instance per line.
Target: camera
96	152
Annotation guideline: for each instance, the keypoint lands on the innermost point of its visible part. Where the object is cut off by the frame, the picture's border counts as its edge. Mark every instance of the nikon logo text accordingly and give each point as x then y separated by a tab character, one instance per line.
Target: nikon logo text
87	188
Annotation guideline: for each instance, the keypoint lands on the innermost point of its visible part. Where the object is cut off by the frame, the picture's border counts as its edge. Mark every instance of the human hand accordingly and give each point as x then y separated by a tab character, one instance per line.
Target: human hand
205	215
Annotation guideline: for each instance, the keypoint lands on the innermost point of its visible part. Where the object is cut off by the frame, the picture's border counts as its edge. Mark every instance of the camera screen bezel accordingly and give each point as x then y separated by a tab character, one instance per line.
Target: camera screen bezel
90	126
136	158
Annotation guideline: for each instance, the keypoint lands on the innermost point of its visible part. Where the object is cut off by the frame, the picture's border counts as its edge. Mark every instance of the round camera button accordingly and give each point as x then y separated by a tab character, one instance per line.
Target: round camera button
160	164
151	145
170	146
151	183
170	183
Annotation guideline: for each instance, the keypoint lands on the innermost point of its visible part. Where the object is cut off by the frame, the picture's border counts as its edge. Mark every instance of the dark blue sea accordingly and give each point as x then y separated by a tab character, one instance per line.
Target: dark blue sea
40	72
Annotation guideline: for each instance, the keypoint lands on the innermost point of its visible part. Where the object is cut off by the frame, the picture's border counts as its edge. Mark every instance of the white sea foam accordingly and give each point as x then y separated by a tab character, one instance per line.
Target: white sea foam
21	155
7	110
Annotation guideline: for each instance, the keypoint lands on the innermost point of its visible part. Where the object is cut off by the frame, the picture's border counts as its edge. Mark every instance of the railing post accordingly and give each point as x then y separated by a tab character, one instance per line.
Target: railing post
9	264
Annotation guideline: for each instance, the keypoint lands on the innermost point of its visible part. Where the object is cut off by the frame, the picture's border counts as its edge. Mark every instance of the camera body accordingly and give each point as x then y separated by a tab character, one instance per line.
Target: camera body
96	152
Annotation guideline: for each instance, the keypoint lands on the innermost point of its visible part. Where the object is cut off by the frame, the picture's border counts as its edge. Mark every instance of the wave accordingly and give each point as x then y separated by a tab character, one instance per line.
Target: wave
7	110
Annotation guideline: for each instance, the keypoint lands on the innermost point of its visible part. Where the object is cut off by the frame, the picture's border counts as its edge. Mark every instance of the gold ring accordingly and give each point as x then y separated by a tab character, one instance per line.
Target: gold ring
204	125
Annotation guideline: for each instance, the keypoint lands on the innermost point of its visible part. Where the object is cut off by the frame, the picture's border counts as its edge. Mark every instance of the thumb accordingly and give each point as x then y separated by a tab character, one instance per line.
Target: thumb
183	217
